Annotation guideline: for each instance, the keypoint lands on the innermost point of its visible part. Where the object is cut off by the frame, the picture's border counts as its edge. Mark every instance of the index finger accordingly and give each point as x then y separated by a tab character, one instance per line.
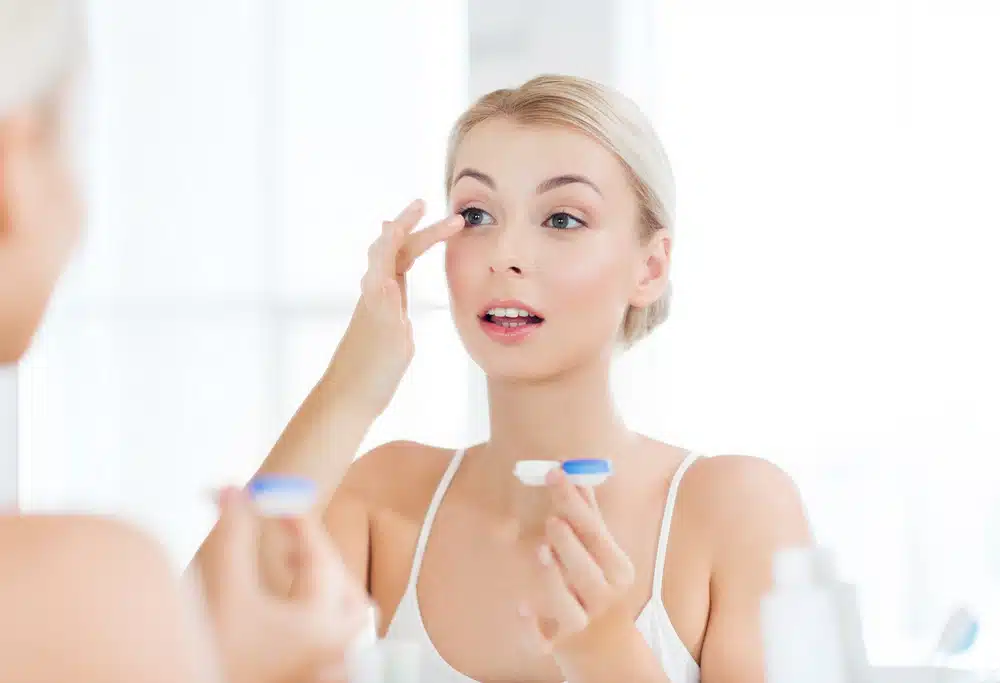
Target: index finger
419	242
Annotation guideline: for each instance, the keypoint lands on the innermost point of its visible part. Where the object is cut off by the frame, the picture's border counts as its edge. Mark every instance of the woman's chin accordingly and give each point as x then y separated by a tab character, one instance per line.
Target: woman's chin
506	366
534	362
528	367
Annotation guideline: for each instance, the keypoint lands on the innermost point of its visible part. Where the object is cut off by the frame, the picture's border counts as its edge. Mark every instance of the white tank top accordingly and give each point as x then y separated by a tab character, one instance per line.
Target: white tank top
653	622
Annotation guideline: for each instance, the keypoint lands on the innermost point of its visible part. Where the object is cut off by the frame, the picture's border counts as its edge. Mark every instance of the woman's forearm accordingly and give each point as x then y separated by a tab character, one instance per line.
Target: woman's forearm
323	438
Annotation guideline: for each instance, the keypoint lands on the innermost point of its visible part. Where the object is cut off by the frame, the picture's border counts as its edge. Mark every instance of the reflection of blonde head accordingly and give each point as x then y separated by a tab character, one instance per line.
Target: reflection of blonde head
612	120
40	213
37	40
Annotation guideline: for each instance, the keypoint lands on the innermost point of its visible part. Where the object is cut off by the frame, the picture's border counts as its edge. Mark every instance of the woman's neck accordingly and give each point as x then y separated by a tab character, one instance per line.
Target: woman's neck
567	417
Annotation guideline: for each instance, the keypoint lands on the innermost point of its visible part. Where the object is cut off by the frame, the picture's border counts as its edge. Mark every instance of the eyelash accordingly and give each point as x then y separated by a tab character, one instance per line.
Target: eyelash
582	223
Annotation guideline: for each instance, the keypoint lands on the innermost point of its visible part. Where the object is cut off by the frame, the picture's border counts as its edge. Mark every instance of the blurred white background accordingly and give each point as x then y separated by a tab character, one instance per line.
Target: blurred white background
835	285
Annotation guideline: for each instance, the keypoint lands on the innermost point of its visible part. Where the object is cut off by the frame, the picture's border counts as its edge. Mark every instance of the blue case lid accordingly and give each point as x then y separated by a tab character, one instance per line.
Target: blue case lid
275	483
596	466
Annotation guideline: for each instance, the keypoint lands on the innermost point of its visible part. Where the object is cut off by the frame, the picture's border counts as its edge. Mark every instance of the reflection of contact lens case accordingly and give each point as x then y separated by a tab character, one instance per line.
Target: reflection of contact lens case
282	496
579	472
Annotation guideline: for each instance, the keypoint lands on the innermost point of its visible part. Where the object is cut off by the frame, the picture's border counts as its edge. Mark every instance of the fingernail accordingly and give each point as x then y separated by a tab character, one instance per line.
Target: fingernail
545	555
523	609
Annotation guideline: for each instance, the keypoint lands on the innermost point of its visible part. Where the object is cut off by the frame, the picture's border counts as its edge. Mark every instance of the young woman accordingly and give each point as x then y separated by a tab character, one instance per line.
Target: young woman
89	599
558	252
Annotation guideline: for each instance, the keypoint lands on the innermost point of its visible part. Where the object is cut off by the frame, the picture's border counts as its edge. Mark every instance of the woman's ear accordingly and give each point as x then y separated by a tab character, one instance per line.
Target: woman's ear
653	273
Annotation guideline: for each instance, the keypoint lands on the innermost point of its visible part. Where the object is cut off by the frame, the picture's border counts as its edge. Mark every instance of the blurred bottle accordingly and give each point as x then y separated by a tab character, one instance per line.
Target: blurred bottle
811	623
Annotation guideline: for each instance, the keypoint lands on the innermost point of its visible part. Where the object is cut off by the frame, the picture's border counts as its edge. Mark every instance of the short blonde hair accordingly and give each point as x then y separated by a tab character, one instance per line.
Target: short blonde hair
611	119
38	42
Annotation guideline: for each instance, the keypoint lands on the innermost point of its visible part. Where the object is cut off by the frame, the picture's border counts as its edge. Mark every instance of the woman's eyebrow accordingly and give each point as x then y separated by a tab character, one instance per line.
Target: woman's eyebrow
475	175
543	187
569	179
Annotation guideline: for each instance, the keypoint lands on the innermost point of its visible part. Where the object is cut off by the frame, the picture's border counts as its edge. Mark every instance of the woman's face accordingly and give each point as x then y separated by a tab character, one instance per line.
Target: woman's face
551	256
40	220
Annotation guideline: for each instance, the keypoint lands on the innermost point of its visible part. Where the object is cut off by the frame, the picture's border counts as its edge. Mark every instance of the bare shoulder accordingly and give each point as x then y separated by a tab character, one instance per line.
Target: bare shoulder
748	498
50	540
750	508
399	475
57	573
733	486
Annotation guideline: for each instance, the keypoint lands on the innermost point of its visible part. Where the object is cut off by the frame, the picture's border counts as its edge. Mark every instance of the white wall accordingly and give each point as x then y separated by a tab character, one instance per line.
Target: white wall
836	279
510	42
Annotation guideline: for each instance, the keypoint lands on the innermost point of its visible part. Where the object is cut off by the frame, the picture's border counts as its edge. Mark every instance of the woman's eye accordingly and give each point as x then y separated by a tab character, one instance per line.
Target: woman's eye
563	221
474	216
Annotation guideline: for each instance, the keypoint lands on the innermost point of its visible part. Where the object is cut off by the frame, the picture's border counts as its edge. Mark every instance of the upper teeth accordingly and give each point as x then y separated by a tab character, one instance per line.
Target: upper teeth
508	313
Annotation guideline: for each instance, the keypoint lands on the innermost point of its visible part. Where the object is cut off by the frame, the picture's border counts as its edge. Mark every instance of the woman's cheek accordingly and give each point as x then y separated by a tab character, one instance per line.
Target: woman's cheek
459	265
583	278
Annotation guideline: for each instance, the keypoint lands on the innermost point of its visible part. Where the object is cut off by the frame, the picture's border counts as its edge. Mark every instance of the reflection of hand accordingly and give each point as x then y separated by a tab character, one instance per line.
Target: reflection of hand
586	573
265	638
378	345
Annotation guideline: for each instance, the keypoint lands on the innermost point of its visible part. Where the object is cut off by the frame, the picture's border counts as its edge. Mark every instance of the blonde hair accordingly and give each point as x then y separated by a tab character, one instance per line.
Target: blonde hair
38	39
611	119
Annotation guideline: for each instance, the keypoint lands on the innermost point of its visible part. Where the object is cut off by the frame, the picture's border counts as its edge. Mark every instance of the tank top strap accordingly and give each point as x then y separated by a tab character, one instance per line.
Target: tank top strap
668	516
425	529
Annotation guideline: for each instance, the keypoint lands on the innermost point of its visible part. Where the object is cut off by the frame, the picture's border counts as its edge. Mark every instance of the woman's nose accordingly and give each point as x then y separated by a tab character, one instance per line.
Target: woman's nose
513	268
507	252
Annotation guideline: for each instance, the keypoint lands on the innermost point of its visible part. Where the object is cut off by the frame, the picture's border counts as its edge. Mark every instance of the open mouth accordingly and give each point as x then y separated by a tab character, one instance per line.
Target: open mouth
511	318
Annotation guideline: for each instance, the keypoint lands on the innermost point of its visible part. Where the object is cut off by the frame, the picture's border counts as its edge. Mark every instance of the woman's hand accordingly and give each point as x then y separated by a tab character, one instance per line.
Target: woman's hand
266	638
378	345
585	572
